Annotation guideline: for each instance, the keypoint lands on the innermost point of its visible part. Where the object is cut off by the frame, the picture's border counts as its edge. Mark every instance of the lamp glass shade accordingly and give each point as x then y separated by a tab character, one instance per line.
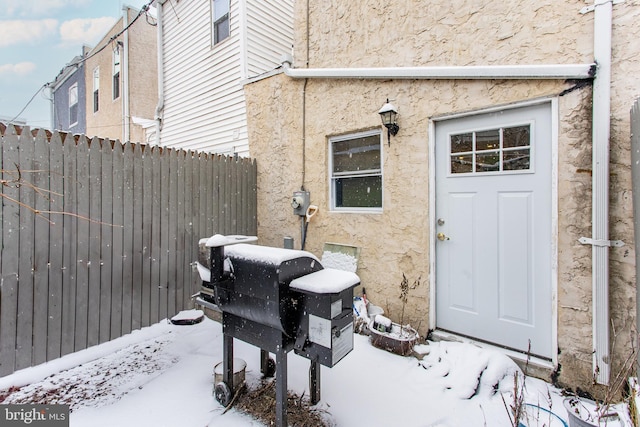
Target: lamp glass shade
388	114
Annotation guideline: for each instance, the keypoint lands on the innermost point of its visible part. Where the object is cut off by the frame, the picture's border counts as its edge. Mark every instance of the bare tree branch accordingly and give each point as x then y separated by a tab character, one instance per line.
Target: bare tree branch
18	181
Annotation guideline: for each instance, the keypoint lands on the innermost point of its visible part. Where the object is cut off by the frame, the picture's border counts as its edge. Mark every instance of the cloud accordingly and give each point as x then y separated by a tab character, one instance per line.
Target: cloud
31	32
20	69
85	31
38	7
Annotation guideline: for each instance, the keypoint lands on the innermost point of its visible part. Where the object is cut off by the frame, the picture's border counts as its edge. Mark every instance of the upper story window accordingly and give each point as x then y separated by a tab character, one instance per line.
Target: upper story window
116	72
96	89
73	104
356	171
220	20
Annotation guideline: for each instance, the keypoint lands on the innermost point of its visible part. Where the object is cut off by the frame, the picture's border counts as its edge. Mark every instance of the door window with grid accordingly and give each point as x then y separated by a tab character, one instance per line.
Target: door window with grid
505	149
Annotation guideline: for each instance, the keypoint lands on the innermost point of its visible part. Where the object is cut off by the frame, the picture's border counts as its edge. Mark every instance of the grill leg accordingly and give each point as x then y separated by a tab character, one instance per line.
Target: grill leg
267	365
314	382
281	388
264	360
227	361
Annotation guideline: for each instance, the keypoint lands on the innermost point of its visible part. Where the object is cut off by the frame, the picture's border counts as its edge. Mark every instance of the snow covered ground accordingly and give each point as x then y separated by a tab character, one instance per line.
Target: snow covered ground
163	376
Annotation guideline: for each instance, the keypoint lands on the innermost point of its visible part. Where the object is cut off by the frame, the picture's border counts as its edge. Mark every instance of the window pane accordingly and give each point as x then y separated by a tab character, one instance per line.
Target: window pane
73	94
359	154
96	89
116	60
116	86
488	161
462	164
516	160
488	140
73	114
220	8
359	192
519	136
221	30
461	143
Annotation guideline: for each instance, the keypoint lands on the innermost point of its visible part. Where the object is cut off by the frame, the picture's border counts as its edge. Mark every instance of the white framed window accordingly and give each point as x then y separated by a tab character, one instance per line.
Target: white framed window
355	171
73	104
96	89
220	20
116	73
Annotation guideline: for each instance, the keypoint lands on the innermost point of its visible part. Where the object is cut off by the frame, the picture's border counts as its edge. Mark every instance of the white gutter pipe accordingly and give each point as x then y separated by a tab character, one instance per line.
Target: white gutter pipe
600	187
570	71
160	106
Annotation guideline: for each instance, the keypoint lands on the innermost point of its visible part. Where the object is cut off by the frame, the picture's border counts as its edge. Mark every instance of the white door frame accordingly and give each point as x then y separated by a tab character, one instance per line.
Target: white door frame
554	220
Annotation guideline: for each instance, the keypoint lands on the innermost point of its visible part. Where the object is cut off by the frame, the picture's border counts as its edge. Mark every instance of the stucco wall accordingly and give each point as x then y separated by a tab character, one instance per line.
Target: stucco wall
477	32
396	241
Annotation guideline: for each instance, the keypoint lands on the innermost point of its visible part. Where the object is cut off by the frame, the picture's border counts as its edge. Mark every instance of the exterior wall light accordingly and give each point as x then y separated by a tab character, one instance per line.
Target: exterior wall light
388	114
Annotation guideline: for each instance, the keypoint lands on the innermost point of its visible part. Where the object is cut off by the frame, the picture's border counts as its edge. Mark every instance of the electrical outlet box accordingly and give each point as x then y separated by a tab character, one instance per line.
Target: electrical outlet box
300	202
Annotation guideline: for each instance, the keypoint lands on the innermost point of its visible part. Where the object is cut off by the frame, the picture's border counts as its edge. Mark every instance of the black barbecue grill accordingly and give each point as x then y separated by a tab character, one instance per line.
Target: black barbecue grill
278	300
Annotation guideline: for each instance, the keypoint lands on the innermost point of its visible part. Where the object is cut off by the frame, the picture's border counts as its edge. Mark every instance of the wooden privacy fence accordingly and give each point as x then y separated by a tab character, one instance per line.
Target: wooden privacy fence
99	238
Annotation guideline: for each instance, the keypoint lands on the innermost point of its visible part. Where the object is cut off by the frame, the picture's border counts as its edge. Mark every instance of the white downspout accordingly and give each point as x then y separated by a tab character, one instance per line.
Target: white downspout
600	187
160	106
124	67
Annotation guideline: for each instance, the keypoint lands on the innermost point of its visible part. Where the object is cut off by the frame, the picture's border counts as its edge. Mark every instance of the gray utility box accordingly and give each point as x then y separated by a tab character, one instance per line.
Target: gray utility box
300	202
278	300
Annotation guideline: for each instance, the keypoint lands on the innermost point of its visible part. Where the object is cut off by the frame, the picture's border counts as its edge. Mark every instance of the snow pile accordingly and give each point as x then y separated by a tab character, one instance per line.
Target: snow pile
220	240
465	370
339	261
326	281
204	272
381	323
266	254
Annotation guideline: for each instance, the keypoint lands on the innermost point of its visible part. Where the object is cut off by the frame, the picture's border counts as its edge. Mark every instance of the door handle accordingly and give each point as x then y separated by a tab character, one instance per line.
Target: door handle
442	237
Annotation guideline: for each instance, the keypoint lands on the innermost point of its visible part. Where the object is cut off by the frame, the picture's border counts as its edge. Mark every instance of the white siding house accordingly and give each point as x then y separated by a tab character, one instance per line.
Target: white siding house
209	48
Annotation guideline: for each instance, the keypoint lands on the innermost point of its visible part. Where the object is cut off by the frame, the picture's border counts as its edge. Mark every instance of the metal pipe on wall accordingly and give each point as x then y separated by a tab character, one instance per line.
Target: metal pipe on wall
635	181
601	129
554	71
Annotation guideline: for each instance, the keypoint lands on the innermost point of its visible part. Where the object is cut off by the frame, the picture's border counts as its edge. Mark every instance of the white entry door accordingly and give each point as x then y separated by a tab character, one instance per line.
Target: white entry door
493	226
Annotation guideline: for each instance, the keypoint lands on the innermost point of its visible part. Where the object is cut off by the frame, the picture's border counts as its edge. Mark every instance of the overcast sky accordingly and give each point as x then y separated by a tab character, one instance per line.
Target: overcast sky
37	39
